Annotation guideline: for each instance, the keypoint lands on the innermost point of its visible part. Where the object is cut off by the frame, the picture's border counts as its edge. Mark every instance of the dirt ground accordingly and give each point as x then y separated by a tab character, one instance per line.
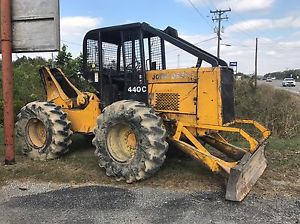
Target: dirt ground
180	172
75	188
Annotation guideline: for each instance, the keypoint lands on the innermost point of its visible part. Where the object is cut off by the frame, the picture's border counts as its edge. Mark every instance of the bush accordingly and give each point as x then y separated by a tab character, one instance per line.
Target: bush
27	83
1	112
278	109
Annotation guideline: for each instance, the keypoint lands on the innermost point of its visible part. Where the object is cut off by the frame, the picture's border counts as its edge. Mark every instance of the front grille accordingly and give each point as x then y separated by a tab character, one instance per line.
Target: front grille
167	101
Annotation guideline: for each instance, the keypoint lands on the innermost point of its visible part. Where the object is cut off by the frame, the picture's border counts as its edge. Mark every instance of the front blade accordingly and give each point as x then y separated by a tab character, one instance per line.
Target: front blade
245	174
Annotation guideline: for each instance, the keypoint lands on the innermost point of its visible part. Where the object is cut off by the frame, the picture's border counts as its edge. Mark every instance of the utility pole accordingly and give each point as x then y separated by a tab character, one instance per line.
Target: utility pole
218	16
255	73
52	60
7	80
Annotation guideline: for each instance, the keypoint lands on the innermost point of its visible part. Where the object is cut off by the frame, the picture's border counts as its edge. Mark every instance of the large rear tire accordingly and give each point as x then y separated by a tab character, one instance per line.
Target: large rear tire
130	141
43	131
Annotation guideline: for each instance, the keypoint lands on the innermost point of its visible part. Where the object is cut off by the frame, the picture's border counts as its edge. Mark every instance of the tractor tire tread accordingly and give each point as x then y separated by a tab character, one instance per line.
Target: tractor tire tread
153	146
58	130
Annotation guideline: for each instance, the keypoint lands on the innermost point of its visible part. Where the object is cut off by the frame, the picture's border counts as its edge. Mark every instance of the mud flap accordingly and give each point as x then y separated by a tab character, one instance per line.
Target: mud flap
243	176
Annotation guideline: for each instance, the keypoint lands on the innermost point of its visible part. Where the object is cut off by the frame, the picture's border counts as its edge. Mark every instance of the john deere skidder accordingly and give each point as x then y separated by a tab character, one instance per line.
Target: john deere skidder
140	106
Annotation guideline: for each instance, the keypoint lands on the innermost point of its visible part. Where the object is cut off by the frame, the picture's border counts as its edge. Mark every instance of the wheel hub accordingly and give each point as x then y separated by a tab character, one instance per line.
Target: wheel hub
36	133
121	142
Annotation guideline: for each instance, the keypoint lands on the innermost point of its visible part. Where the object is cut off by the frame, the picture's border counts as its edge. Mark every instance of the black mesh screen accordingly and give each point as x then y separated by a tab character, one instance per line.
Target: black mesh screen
156	57
109	55
128	54
132	49
138	59
92	54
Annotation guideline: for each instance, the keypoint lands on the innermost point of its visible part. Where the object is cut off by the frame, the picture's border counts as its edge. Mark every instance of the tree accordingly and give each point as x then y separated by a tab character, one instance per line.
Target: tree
27	83
72	68
294	73
63	57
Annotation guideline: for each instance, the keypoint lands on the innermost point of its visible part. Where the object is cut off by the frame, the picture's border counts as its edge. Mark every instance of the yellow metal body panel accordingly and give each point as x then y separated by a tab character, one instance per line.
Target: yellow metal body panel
173	75
82	111
173	98
209	97
198	90
83	120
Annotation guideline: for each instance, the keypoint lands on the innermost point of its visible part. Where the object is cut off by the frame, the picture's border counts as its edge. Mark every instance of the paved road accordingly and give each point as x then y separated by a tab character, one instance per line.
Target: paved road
102	204
278	84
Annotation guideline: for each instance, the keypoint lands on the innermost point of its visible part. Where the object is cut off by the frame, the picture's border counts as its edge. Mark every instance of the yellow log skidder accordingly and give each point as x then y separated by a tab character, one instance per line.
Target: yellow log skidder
140	107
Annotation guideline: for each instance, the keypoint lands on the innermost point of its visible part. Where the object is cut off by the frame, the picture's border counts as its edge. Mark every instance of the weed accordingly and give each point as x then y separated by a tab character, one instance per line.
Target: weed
279	110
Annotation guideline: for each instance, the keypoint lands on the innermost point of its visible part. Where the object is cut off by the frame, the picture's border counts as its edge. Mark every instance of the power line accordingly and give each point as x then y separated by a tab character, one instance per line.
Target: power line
69	42
282	47
242	19
242	31
236	44
178	49
227	3
213	4
263	32
202	16
205	40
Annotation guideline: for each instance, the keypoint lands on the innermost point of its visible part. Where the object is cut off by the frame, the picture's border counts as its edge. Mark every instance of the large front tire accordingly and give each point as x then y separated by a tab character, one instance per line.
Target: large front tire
43	131
130	141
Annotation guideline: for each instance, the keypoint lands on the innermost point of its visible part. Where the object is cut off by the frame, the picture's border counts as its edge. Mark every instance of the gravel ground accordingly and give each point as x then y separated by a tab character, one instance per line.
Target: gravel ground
51	203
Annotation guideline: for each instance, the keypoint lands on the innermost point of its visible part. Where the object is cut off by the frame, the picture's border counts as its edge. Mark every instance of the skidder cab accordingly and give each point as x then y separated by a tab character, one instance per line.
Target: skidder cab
141	105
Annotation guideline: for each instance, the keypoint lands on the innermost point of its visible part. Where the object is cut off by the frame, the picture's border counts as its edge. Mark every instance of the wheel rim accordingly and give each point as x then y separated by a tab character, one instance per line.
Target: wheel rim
121	142
36	133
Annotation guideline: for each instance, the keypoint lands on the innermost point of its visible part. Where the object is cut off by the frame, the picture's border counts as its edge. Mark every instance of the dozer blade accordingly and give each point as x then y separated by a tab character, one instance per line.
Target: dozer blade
243	176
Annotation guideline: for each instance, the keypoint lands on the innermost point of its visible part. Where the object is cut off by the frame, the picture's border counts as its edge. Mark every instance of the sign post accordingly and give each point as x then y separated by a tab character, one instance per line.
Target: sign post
233	64
7	81
26	26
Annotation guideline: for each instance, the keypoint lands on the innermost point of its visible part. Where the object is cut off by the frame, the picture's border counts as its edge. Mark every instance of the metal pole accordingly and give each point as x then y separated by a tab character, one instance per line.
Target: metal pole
52	60
178	61
255	74
219	35
7	81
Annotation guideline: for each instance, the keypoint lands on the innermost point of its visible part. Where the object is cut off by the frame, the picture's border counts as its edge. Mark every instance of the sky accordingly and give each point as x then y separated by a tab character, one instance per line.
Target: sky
275	23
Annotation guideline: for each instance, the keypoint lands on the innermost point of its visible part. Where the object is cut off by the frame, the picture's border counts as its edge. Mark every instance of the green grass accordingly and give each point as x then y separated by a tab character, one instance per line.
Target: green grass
283	156
79	166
